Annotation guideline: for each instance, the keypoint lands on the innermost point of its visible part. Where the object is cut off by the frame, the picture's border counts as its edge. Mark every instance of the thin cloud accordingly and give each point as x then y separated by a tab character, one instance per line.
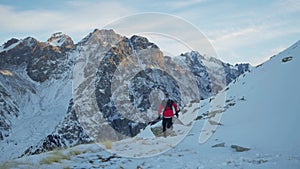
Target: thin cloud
77	19
26	20
288	5
182	4
236	34
162	25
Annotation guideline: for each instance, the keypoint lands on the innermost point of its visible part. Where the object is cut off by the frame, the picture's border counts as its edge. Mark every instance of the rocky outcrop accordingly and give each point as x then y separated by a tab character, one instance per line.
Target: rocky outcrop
61	40
120	52
239	148
10	43
200	71
19	54
8	111
211	74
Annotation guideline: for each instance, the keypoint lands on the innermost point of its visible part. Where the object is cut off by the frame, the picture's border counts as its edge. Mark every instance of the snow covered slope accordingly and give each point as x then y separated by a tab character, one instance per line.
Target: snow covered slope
263	108
41	110
258	129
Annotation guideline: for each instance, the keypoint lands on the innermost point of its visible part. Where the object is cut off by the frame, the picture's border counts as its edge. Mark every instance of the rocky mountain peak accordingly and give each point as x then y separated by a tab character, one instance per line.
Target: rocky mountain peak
16	52
29	42
139	42
10	42
103	37
61	40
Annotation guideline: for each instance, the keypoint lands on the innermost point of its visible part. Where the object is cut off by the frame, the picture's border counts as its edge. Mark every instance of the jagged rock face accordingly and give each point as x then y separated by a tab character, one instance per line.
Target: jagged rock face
232	72
142	66
148	80
98	39
20	54
89	53
8	110
110	51
119	55
121	51
46	61
140	43
199	70
212	74
41	59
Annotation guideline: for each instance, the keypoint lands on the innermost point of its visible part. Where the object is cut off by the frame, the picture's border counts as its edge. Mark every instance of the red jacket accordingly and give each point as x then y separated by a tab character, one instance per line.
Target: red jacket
168	112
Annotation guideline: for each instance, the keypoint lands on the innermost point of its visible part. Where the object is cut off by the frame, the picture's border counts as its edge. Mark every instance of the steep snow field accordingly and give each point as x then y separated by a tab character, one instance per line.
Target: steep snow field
41	111
260	116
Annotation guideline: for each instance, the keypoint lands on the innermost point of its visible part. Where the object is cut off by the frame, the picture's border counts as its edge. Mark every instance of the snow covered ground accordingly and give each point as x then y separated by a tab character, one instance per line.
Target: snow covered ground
260	117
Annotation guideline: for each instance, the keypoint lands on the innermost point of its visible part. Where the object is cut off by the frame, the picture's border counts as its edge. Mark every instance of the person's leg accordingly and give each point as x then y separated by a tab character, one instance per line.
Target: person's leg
169	123
164	123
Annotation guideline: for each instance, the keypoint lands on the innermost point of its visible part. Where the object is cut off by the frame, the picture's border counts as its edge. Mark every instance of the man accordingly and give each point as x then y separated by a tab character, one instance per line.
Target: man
165	111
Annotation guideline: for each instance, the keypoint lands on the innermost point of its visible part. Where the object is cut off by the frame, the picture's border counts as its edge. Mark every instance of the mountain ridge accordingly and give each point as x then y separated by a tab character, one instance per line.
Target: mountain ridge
46	71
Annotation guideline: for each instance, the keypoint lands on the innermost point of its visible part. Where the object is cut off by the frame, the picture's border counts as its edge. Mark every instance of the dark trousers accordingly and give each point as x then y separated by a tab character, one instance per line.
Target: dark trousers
166	123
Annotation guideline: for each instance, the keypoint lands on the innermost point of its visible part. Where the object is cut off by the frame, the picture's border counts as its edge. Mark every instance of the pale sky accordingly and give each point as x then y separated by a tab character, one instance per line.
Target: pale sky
239	31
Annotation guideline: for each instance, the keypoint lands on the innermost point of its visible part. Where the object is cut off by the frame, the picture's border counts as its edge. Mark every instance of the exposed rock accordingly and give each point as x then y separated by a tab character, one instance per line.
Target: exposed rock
121	51
61	40
140	43
18	55
8	111
239	148
10	42
219	145
286	59
199	70
41	60
211	79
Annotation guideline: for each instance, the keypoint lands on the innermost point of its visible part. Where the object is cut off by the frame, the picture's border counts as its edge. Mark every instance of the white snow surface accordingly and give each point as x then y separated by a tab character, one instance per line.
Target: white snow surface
261	112
57	42
57	39
42	107
146	133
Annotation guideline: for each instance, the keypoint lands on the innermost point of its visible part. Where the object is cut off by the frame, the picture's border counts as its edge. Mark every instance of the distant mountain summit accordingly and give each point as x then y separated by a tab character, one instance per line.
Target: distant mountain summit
61	40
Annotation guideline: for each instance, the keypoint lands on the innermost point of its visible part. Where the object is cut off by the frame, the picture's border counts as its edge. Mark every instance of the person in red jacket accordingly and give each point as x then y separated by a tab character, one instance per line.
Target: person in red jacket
165	111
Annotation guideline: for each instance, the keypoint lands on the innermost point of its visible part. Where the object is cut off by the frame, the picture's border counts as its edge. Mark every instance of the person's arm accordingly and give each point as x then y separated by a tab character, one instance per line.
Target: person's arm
160	110
176	109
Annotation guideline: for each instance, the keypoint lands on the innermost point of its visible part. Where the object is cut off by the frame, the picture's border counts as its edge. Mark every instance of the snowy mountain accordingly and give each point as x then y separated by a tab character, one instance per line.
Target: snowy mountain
43	85
211	70
260	116
36	77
